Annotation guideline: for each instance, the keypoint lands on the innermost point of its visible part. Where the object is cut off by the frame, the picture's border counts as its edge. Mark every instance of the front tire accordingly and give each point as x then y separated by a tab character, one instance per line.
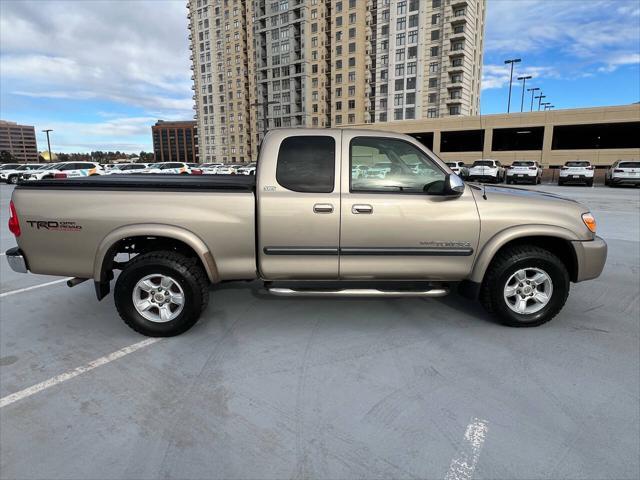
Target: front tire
161	294
525	286
13	180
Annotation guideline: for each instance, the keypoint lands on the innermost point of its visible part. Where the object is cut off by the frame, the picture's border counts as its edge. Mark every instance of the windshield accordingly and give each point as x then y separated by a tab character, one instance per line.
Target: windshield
483	163
629	165
577	164
523	164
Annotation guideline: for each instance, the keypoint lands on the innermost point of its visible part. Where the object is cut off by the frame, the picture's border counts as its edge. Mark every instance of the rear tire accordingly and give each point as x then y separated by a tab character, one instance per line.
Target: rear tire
590	183
497	294
145	276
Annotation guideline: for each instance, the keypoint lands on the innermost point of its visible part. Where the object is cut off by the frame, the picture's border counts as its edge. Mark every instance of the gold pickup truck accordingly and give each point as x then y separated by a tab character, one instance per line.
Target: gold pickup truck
329	213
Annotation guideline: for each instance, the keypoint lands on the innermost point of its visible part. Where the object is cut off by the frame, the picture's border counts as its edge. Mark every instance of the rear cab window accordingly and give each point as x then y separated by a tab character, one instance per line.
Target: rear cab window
307	164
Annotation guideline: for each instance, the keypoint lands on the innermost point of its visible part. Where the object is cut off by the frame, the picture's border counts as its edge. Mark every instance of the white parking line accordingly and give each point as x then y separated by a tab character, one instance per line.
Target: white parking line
27	392
464	463
26	289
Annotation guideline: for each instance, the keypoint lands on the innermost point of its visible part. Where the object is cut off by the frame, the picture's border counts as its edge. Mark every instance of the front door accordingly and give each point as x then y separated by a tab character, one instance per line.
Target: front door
396	223
299	205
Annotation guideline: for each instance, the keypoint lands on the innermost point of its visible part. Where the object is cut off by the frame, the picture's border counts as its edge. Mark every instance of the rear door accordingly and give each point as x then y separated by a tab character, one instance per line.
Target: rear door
400	226
298	195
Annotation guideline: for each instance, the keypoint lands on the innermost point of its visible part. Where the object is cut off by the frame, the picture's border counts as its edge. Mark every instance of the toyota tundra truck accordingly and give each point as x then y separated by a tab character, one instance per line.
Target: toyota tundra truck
306	226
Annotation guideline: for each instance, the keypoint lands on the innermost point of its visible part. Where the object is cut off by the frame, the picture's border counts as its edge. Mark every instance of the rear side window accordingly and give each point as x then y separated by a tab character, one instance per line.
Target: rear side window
307	164
629	165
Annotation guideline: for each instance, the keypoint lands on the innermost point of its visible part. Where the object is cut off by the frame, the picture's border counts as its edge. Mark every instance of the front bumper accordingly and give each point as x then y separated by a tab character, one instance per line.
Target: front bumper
16	260
591	256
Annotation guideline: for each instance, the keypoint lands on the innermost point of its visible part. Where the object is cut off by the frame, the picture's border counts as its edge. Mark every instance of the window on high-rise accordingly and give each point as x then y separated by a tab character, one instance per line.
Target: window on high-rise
400	39
399	84
413	21
352	47
413	37
436	3
433	82
352	3
435	34
352	104
402	7
413	5
398	100
338	21
434	51
433	67
401	24
411	98
412	52
397	114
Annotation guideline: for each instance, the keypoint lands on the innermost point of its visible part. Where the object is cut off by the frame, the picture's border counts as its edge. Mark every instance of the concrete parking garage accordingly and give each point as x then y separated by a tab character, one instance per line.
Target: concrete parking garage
266	387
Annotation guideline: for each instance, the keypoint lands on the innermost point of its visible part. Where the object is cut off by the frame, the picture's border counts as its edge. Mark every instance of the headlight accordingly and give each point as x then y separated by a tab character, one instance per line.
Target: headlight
590	221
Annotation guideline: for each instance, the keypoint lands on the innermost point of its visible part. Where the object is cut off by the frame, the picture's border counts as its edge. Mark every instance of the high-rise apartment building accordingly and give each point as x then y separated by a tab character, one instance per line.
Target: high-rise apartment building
175	141
19	141
262	64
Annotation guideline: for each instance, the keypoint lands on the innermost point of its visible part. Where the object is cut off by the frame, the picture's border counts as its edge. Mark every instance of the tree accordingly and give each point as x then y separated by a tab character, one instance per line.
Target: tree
5	156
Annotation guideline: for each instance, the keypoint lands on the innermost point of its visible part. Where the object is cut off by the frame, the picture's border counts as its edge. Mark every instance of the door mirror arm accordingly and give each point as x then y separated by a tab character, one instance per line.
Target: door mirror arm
453	185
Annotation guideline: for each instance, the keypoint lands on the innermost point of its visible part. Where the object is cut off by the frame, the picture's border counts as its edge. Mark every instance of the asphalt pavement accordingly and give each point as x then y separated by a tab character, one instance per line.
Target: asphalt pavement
269	388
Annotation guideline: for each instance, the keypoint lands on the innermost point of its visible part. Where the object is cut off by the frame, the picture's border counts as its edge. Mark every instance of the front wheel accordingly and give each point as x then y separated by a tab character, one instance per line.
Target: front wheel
13	179
525	286
161	294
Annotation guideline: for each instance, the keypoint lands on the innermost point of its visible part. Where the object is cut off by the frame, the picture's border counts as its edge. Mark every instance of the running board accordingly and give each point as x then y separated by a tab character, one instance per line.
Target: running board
357	292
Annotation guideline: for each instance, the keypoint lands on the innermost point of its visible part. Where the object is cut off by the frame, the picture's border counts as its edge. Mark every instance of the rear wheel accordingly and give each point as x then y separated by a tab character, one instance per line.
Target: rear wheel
525	286
13	179
161	294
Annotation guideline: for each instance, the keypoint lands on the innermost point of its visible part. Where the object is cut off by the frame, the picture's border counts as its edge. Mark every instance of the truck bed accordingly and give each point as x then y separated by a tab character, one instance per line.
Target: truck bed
211	183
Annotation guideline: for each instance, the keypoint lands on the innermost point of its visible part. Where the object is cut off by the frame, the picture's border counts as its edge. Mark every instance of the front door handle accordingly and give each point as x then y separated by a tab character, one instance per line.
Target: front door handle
323	208
361	209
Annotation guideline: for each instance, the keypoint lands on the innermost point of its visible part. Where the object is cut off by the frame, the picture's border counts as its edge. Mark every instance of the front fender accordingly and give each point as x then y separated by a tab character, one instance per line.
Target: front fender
155	230
495	243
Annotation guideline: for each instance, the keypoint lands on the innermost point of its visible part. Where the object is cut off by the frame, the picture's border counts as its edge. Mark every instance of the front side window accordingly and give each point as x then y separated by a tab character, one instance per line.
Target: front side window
307	164
393	165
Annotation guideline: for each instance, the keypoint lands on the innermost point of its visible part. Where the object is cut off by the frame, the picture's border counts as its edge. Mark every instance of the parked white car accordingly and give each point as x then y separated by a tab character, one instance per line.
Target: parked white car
11	175
249	169
459	168
166	168
125	168
577	171
487	170
226	169
623	172
65	170
524	171
209	168
10	166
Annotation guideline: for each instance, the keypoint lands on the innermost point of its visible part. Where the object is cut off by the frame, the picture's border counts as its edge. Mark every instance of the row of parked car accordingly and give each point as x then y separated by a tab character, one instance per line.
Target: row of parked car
13	172
622	172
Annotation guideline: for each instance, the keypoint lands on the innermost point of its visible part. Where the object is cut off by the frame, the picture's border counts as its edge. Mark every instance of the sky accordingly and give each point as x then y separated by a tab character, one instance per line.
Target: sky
101	72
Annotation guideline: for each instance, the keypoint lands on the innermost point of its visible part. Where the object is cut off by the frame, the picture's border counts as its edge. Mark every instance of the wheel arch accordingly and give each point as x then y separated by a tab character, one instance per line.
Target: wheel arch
555	239
164	236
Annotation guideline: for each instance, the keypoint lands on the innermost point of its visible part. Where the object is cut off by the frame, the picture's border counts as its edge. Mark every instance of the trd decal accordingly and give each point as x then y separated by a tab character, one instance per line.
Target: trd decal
54	225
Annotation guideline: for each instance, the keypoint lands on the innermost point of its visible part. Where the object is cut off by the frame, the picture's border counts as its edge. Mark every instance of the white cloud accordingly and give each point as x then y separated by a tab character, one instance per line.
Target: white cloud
593	32
497	76
135	53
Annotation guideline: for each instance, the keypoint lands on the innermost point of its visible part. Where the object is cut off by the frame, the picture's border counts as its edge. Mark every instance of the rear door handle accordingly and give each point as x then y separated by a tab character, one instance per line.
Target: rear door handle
361	209
323	208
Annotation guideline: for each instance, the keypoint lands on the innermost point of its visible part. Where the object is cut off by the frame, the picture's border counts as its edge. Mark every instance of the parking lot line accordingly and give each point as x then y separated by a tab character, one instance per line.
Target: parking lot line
464	463
27	392
26	289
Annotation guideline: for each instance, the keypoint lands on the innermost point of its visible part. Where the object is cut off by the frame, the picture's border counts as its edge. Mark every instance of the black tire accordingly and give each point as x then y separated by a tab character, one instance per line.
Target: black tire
560	183
504	266
509	182
590	183
13	179
186	271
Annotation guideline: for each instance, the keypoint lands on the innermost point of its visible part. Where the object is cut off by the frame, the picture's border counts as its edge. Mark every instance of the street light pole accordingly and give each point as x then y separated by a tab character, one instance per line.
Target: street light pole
524	83
533	91
512	61
540	97
49	142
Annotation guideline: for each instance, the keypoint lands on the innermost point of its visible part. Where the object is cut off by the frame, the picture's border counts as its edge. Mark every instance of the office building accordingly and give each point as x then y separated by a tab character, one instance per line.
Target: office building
266	64
175	141
19	141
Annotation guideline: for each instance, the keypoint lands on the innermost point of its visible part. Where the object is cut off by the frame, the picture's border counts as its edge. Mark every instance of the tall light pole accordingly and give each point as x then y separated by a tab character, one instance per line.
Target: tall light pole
524	83
512	61
48	142
545	104
533	91
540	97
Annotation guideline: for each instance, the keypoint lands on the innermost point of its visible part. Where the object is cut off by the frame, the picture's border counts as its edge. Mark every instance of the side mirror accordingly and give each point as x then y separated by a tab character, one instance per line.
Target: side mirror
453	185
